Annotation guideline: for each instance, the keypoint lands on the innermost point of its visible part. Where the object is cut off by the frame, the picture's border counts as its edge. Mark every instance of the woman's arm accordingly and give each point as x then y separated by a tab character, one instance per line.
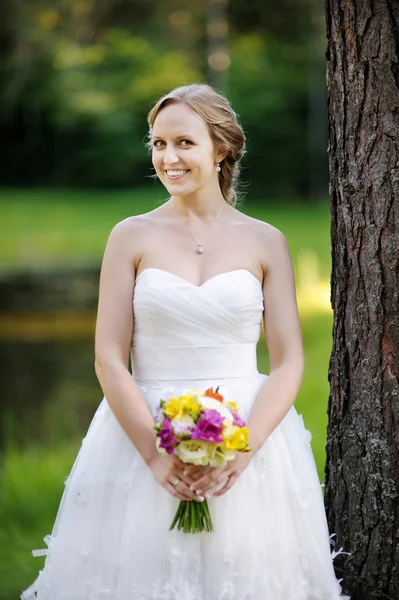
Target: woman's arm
112	348
284	342
113	338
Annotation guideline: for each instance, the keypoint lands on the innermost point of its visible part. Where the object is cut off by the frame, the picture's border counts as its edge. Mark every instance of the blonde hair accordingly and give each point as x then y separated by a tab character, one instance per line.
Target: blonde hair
223	127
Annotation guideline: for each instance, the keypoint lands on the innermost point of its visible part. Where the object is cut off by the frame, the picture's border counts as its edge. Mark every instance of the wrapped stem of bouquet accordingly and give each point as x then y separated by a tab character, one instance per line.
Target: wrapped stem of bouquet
201	428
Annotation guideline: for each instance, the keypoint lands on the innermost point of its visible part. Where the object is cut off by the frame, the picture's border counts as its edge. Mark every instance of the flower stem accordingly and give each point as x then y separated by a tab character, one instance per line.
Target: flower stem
192	517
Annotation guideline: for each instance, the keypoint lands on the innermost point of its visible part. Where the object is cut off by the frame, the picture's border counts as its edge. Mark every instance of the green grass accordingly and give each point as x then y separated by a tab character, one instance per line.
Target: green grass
312	399
41	228
31	488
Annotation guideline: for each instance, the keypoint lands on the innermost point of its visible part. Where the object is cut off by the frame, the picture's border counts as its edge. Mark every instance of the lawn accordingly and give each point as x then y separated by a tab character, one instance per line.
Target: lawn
41	228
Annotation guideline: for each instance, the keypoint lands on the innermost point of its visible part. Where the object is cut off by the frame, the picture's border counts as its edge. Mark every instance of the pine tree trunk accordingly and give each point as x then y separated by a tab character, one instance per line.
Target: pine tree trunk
362	469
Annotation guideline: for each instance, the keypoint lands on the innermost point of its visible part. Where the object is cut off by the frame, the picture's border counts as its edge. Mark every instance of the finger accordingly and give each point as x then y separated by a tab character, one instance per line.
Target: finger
188	480
170	488
177	472
183	470
185	466
180	492
230	482
183	489
205	480
197	474
193	470
193	474
204	491
191	477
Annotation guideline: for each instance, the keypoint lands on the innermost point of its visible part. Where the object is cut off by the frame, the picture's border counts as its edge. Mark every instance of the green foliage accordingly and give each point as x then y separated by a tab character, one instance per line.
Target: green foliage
100	96
79	85
268	86
106	90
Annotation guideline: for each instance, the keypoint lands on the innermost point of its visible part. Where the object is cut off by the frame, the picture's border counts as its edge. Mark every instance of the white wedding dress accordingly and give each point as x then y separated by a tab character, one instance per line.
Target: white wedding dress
111	538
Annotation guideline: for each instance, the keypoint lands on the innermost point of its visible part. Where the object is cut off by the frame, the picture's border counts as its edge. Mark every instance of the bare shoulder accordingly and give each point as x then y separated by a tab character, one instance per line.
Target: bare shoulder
134	225
129	234
271	243
265	231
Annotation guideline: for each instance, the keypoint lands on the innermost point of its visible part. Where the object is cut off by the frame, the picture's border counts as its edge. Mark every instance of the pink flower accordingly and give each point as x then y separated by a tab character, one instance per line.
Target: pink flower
209	427
167	437
237	420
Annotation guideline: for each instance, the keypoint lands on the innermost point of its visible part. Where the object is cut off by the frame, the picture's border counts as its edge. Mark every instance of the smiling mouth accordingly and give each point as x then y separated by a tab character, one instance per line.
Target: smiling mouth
176	173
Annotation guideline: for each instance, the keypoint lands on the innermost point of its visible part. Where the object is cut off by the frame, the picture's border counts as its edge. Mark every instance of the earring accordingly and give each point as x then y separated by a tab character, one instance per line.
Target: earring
218	168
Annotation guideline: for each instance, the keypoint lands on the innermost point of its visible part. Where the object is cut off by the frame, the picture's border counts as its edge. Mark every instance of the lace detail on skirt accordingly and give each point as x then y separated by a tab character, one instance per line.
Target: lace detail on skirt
111	538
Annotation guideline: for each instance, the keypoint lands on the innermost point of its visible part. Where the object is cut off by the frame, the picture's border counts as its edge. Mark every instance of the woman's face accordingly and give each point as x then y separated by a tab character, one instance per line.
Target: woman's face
183	153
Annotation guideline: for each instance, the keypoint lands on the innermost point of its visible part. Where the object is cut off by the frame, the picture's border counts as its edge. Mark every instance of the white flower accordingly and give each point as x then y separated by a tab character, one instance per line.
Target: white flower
193	452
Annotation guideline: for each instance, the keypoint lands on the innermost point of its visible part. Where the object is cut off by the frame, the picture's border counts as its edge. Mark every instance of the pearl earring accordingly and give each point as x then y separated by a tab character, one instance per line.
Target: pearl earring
218	168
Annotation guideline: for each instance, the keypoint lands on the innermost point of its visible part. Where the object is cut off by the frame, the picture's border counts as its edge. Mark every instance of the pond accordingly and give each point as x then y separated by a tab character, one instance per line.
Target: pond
49	391
49	387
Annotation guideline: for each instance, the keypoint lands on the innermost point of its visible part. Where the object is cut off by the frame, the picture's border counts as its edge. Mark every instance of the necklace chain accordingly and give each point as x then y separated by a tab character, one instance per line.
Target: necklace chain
200	248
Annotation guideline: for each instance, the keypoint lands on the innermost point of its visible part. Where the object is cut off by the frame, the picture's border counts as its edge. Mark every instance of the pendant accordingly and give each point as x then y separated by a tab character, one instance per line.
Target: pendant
200	250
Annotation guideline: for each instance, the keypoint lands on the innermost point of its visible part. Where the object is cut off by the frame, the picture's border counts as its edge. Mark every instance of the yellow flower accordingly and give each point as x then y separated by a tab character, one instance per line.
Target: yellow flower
236	438
221	455
175	407
233	405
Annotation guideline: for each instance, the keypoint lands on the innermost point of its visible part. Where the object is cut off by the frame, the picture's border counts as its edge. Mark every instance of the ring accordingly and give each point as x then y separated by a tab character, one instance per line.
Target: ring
176	483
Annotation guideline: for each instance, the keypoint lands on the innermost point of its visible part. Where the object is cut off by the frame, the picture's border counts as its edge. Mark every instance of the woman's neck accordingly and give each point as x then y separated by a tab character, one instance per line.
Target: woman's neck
197	205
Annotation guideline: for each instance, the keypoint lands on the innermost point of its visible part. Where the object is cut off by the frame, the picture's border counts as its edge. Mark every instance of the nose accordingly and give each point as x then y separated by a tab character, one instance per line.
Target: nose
170	156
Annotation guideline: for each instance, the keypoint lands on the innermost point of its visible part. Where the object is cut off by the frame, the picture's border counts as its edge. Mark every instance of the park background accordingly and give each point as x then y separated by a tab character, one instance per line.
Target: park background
77	79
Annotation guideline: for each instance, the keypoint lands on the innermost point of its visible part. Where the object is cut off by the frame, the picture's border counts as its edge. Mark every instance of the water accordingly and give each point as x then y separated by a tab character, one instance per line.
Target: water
49	390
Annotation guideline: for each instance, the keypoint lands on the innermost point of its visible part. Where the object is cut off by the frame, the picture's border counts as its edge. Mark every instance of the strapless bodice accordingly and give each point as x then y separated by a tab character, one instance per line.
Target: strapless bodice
185	332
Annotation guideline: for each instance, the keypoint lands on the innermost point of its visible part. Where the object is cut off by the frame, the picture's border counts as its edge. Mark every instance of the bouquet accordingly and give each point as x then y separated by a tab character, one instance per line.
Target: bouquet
201	428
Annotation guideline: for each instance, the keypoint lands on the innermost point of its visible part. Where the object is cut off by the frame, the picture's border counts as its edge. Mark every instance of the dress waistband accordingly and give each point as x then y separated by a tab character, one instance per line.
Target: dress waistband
187	363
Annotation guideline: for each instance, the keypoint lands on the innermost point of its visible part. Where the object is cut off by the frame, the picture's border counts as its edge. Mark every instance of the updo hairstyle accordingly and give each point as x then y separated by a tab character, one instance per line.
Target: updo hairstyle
223	127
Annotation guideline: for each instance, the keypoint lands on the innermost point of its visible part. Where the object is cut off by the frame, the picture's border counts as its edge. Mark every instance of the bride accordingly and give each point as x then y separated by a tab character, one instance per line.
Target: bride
183	291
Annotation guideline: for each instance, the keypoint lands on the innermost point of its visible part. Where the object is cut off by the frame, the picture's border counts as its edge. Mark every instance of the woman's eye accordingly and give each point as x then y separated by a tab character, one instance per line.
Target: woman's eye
161	144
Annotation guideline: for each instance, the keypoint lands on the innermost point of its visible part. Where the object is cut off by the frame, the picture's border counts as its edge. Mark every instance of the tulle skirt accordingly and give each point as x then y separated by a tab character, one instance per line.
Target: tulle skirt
111	538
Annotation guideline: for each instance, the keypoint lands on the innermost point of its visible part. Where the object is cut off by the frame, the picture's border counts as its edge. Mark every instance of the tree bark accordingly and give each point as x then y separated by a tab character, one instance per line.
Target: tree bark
362	468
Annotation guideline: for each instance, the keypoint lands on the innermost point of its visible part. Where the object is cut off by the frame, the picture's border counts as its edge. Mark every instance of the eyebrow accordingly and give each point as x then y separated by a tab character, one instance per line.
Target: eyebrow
186	135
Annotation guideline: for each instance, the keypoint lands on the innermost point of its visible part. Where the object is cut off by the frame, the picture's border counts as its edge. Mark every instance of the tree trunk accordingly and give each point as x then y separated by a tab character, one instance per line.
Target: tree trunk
362	469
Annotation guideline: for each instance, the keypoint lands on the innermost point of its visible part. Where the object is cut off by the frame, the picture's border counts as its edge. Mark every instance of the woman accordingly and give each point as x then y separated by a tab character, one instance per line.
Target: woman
202	276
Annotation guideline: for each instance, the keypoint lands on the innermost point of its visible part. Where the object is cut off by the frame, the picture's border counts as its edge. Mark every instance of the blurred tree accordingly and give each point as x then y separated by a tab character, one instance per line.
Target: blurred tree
218	54
287	19
78	77
362	470
317	106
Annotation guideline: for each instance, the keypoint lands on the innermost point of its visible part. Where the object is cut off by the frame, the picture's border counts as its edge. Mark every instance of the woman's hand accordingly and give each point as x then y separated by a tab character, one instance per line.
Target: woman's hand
206	482
173	475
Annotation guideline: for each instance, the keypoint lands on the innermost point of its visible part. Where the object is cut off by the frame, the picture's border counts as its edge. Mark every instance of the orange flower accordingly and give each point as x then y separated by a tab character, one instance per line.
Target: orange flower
214	394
